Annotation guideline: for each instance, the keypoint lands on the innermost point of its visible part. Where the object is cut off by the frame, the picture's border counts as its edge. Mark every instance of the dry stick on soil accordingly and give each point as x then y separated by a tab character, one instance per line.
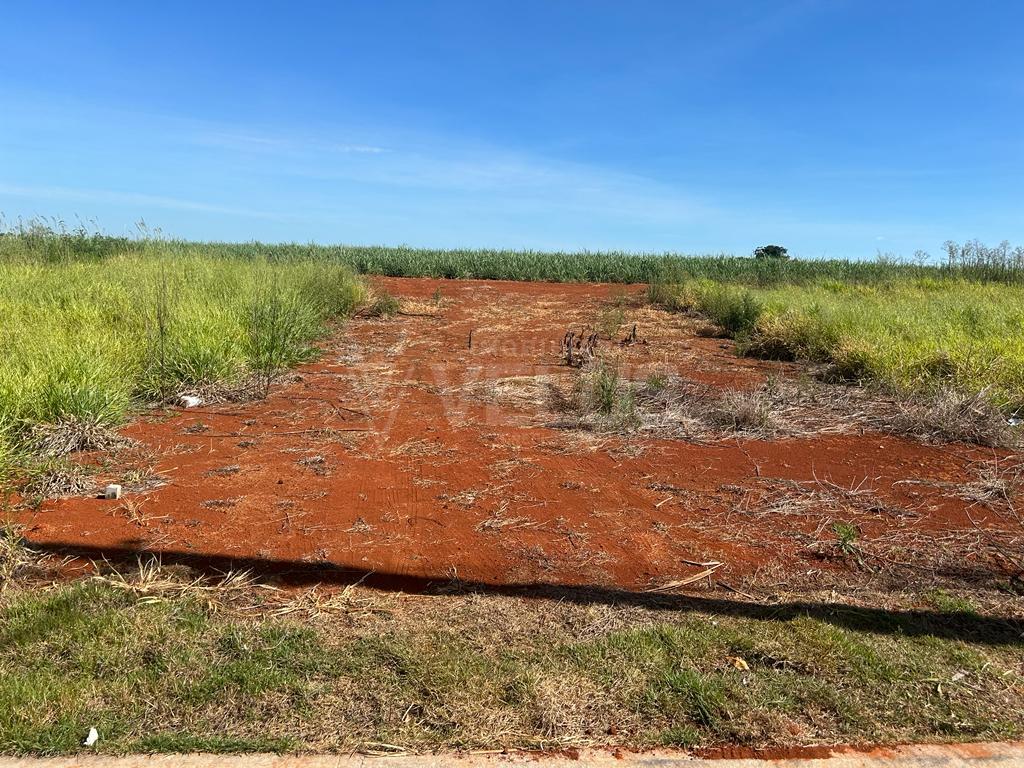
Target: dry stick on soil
497	522
419	314
132	509
209	411
287	432
757	467
673	585
731	588
325	400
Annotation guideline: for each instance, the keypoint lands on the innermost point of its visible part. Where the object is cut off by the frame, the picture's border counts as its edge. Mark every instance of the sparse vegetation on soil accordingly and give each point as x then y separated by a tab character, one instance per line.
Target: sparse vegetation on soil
618	529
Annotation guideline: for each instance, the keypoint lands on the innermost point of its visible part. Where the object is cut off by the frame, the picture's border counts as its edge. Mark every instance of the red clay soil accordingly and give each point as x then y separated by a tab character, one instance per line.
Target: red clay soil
385	457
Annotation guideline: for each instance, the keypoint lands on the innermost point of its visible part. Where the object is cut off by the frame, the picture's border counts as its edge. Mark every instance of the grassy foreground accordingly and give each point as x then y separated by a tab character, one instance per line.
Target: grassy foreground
158	665
84	340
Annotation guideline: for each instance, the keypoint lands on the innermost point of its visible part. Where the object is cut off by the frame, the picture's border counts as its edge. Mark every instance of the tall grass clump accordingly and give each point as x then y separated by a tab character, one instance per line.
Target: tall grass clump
52	240
974	259
734	308
83	341
603	399
916	336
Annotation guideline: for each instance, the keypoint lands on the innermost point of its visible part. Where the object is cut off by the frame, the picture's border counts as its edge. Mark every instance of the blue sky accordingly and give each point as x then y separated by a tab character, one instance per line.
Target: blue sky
835	128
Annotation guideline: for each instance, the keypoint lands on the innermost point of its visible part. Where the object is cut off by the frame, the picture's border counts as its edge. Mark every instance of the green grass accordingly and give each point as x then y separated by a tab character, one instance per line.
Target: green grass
52	242
914	335
85	340
161	672
614	266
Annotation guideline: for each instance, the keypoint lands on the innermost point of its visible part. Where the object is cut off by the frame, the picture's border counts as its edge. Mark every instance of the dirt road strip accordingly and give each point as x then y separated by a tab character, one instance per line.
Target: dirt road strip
992	755
431	446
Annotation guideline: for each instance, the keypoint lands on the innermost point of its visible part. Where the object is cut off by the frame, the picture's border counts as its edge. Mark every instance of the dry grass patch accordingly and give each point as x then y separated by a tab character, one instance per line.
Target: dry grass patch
529	393
665	405
20	565
56	478
870	535
998	487
950	417
158	658
71	436
749	413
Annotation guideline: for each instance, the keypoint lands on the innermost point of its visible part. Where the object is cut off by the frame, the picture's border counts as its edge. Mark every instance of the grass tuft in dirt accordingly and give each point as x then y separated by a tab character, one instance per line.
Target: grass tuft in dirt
602	399
950	417
381	304
610	321
53	478
72	435
749	413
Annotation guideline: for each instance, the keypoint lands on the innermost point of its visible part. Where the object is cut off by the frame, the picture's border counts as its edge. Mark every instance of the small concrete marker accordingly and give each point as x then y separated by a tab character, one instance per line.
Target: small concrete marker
112	492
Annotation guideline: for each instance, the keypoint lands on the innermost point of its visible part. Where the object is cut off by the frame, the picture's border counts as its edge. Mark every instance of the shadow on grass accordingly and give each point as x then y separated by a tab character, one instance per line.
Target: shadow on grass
963	625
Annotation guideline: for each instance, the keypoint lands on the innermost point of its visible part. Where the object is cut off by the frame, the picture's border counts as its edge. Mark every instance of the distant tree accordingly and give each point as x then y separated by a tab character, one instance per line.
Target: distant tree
771	252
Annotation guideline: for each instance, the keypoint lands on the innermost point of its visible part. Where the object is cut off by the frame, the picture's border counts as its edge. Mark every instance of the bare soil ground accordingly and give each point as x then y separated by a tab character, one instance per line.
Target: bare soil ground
436	446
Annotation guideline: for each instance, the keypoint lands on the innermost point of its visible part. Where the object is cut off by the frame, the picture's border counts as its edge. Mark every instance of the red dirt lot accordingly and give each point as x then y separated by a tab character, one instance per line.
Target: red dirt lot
407	452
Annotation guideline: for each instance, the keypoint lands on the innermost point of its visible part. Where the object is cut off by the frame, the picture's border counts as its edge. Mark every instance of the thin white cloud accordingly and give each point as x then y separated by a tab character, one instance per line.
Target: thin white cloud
248	142
134	199
863	173
507	180
510	180
404	170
